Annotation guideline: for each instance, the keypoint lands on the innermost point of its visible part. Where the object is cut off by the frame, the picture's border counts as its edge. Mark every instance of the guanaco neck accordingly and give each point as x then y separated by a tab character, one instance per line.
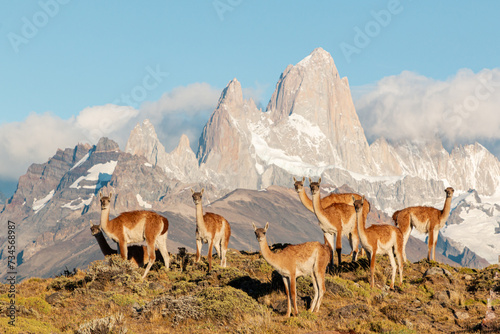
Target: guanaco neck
270	257
306	201
318	208
105	219
446	209
103	244
199	215
360	220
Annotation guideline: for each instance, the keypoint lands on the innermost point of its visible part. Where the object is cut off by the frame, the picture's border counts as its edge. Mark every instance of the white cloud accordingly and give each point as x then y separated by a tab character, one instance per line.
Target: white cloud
34	140
464	108
38	137
106	121
188	100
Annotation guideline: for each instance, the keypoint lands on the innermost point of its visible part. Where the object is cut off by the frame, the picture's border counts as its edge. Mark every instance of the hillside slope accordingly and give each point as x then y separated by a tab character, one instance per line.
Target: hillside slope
248	297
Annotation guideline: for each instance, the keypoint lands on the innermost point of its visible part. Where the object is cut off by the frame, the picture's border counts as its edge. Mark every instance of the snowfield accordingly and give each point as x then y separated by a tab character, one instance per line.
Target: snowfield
479	230
38	204
96	175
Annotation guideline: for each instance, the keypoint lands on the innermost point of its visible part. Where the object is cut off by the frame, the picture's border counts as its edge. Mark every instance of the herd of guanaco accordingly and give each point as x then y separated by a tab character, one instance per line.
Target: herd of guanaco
338	215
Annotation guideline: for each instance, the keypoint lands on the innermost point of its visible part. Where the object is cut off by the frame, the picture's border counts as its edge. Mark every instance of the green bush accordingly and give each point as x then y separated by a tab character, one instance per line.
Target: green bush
227	304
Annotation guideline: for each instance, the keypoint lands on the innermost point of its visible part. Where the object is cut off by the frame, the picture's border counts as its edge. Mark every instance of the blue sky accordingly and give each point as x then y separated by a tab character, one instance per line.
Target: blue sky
60	57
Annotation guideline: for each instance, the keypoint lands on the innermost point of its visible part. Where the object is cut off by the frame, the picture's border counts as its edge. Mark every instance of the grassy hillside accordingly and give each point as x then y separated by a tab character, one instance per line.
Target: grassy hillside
247	297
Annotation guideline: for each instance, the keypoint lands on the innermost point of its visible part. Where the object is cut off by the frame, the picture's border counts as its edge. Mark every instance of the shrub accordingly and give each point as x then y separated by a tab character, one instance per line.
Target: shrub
110	324
227	304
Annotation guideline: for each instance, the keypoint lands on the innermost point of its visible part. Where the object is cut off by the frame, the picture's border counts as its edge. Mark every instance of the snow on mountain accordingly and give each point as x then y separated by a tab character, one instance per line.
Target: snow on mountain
475	223
96	177
143	203
79	203
38	204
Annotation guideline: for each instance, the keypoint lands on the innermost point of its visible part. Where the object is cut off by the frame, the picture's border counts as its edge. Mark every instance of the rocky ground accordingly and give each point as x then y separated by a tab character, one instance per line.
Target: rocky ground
248	297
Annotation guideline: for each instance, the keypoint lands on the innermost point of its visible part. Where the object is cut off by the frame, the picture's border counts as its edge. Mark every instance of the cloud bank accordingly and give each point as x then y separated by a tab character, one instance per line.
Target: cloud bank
461	109
37	138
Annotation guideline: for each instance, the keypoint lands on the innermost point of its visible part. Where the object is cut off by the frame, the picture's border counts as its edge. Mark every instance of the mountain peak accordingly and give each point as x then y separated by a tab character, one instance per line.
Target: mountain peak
184	141
319	56
144	141
184	145
106	145
232	94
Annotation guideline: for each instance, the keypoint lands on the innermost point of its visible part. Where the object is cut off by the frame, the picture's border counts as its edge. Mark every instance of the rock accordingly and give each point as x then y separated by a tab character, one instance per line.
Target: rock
156	286
281	306
55	299
360	311
441	296
437	273
455	297
449	296
338	289
461	315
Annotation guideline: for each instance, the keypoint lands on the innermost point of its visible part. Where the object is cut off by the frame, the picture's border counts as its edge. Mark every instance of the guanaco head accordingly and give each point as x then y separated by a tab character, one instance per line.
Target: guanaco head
95	229
449	192
105	200
197	196
299	185
314	186
358	203
260	233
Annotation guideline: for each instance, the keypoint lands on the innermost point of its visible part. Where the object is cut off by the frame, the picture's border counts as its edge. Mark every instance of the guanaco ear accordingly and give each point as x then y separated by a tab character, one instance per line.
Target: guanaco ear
294	179
303	178
192	191
363	199
202	190
110	194
353	199
91	224
100	194
267	226
319	181
310	181
254	227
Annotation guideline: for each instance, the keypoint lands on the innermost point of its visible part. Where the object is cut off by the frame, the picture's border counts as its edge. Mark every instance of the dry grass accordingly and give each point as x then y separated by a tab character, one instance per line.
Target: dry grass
248	297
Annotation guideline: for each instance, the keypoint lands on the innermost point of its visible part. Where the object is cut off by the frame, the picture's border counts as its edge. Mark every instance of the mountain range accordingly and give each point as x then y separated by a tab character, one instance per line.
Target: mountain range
245	160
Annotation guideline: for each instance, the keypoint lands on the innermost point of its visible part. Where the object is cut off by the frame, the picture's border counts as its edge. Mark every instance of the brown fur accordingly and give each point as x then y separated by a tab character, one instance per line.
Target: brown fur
395	216
336	219
325	201
310	258
210	228
426	220
380	239
136	254
134	227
